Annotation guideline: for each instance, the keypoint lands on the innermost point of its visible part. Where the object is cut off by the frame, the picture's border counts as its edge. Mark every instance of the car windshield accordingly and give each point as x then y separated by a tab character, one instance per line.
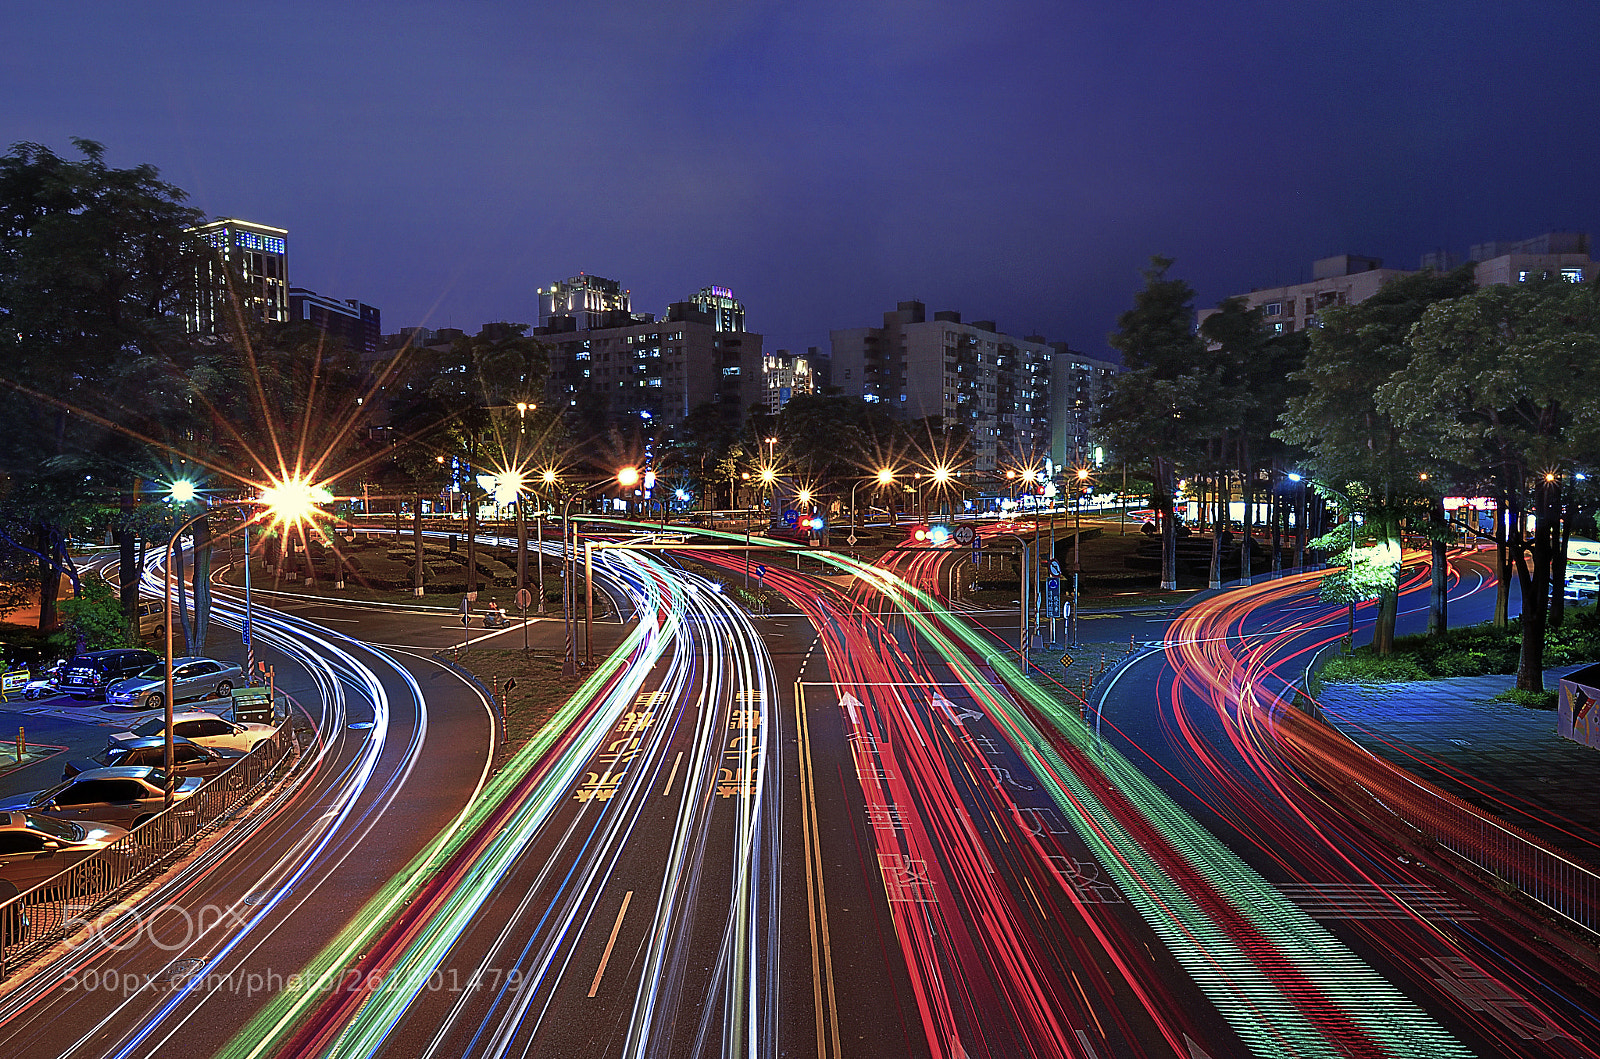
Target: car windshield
156	672
151	728
63	829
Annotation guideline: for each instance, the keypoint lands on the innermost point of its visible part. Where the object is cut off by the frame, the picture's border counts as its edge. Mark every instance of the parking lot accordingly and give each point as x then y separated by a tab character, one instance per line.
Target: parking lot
66	729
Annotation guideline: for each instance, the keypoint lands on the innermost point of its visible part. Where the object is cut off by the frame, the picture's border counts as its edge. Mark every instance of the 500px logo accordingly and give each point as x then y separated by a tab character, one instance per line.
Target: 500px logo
166	928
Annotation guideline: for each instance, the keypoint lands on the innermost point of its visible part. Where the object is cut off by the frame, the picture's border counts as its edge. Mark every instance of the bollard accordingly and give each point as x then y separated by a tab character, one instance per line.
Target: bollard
22	744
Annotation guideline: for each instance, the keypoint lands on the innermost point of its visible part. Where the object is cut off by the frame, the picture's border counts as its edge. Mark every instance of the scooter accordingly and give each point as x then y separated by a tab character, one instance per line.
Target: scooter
495	620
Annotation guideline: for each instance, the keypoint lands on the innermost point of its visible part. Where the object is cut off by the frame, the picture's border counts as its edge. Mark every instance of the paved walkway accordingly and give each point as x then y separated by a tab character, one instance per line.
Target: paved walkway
1504	758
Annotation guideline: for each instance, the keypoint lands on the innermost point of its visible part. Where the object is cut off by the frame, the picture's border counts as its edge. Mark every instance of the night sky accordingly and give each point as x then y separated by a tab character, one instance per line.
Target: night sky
1015	161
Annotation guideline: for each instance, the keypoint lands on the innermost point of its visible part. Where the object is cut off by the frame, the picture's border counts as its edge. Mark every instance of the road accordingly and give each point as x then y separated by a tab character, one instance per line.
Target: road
854	832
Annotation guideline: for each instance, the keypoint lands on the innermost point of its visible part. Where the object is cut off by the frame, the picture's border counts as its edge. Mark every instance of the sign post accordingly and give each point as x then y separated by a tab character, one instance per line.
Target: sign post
524	597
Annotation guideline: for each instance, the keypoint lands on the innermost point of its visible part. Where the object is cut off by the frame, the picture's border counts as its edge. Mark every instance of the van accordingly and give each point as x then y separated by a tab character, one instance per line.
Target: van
152	616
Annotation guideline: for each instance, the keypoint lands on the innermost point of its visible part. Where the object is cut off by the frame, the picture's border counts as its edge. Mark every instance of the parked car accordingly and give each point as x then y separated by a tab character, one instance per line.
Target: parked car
188	757
34	847
192	678
47	682
207	729
152	616
89	675
126	797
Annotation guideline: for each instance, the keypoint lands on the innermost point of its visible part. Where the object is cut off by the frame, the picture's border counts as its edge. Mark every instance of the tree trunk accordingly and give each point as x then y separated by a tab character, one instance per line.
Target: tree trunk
472	542
202	582
1535	586
183	604
1383	626
1561	537
1505	514
1439	596
1219	518
49	582
416	527
1169	530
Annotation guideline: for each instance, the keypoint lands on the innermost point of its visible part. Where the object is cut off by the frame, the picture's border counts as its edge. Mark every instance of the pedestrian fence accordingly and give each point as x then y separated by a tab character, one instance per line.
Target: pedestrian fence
1383	790
35	919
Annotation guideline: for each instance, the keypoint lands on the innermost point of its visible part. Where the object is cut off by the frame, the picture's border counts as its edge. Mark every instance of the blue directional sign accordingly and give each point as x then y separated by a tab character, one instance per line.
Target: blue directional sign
761	570
1052	596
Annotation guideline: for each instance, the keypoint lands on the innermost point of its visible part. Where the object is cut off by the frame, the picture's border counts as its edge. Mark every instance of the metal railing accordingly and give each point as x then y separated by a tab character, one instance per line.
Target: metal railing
36	918
1566	887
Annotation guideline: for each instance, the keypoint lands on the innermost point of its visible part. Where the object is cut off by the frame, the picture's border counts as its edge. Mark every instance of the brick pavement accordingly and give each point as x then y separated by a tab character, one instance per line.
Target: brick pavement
1502	757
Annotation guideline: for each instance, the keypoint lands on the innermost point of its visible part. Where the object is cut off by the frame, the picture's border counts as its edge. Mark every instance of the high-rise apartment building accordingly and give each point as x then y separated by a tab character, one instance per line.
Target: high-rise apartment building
994	384
1078	391
259	254
589	301
628	367
358	325
787	375
1349	278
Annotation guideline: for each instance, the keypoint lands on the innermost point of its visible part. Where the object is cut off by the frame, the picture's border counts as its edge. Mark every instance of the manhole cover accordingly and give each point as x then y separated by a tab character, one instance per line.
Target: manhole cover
178	970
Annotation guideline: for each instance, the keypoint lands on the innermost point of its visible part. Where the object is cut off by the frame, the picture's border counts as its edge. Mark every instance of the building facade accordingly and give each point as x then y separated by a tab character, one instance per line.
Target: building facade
994	384
1079	386
1350	278
632	368
259	254
786	375
587	300
358	325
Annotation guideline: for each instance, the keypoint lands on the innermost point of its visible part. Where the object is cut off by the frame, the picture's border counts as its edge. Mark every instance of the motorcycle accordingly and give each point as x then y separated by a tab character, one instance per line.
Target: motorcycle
495	619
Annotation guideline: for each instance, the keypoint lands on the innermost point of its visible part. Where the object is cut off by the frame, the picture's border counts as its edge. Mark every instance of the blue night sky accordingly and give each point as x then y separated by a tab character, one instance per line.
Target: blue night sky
1015	160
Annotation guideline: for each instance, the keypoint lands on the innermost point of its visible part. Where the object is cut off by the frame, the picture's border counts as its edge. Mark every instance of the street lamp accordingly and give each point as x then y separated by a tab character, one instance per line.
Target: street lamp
1082	476
627	478
885	476
292	500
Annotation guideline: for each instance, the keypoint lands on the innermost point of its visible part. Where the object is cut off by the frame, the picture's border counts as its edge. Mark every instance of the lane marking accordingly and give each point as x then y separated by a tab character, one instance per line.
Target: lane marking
824	1000
674	774
605	957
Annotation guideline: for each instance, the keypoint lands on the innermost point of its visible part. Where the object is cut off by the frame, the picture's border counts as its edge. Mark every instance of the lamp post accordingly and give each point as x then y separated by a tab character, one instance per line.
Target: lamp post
627	477
884	477
290	501
549	477
1082	479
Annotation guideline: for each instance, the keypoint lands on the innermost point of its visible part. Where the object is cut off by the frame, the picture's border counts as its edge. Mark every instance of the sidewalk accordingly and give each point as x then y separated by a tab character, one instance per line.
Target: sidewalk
1501	757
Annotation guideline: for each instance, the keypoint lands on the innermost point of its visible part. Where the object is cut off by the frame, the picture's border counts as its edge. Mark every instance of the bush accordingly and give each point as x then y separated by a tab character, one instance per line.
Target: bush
1363	667
1470	651
1533	700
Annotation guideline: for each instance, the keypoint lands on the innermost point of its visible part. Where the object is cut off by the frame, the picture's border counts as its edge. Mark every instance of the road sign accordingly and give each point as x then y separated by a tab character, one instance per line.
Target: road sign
1055	568
466	605
852	539
965	534
1052	596
524	599
977	549
466	620
761	570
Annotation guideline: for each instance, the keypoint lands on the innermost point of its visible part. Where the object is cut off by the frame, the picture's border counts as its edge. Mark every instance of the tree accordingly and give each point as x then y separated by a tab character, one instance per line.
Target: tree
96	268
1159	409
1353	443
1504	374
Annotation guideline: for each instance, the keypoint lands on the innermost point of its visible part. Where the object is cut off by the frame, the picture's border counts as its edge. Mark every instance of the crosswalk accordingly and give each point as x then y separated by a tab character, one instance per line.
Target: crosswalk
1365	901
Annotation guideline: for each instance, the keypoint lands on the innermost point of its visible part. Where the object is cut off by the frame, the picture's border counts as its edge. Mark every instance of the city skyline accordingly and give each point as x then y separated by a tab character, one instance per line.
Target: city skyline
1019	163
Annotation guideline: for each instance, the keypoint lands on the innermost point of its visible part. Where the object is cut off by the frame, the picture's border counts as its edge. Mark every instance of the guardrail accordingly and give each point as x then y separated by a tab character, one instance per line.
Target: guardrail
1564	886
59	906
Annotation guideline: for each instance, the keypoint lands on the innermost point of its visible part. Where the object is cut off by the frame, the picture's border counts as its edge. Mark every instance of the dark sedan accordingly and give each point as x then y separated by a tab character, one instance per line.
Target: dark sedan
188	758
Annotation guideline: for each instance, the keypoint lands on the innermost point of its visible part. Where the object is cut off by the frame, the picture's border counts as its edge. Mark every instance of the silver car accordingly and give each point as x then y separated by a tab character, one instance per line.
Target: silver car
126	797
34	848
192	678
207	729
